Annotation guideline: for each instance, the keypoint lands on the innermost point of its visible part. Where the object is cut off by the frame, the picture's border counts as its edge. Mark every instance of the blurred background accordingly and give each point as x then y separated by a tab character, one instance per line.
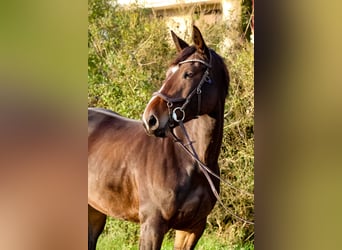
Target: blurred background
45	77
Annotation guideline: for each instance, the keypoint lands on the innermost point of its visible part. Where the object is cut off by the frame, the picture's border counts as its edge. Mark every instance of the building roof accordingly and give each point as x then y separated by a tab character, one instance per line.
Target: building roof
165	4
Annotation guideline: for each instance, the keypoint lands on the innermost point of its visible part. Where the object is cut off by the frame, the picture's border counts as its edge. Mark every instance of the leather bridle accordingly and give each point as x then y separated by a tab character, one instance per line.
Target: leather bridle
178	114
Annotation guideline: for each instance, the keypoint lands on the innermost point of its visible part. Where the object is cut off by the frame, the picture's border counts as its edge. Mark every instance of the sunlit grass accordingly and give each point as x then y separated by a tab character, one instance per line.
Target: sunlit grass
125	235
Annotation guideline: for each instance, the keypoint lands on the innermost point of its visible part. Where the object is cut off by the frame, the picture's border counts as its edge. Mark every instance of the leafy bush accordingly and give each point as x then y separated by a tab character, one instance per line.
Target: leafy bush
122	61
237	152
129	52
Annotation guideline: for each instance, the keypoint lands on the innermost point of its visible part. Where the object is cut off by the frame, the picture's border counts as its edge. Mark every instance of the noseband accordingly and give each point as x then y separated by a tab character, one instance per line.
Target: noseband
178	114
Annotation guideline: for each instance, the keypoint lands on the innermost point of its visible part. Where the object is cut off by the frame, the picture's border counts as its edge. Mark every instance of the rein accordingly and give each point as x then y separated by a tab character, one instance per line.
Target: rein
206	171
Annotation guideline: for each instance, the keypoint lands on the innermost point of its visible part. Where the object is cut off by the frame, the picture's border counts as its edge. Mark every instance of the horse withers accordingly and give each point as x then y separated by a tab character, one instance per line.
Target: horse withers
136	169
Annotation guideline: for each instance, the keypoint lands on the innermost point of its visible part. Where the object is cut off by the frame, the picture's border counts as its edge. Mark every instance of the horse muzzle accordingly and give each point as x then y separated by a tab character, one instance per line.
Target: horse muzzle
152	128
155	118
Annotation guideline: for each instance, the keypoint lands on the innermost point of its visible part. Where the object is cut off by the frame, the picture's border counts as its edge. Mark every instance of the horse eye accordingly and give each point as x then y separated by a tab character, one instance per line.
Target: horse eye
187	75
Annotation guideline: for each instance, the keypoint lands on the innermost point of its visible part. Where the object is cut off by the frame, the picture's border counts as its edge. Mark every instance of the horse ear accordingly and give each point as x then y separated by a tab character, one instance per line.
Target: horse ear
199	41
180	44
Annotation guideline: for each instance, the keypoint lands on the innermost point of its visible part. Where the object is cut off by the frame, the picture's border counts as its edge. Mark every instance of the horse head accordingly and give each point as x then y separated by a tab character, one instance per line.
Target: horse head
192	87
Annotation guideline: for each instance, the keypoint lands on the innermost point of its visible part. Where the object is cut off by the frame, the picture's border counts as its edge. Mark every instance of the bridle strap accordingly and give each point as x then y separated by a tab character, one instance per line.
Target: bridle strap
169	100
196	60
197	91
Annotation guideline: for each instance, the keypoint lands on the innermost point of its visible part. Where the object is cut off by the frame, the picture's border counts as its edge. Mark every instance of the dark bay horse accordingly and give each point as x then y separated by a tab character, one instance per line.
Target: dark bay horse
136	169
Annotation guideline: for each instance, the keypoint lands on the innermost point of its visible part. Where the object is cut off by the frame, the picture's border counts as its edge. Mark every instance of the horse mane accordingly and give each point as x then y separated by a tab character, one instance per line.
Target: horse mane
224	72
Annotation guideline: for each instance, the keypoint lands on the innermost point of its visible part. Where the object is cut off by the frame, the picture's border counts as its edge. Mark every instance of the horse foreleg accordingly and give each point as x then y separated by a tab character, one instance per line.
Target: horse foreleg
187	240
96	223
152	230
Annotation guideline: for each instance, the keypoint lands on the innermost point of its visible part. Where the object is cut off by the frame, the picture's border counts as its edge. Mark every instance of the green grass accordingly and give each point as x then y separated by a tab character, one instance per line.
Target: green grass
125	235
129	52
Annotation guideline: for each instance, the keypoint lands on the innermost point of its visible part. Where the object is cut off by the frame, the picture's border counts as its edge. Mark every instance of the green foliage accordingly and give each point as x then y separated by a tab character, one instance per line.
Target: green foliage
237	152
246	17
122	61
129	52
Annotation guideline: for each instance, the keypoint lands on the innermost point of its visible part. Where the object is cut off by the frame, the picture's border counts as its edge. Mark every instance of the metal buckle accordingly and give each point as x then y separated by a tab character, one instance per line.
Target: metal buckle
175	116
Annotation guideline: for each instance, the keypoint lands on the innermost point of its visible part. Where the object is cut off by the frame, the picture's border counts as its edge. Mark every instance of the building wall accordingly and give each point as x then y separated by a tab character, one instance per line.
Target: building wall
229	10
179	13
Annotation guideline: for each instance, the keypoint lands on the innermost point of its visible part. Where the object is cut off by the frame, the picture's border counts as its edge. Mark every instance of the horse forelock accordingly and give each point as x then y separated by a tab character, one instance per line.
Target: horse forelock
186	53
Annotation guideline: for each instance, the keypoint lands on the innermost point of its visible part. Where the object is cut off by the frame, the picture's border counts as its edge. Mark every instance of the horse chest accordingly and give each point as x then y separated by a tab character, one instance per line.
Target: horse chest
195	200
195	206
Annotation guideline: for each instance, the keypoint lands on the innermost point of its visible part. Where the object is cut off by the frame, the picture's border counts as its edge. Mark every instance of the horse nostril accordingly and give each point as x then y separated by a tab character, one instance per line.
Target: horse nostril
152	121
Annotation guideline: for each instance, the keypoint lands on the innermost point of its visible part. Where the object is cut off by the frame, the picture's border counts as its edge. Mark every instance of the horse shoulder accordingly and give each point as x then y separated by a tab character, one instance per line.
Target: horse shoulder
111	164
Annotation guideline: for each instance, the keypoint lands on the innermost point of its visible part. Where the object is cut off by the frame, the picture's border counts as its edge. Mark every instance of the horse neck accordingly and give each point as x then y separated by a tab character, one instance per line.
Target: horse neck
206	134
206	131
